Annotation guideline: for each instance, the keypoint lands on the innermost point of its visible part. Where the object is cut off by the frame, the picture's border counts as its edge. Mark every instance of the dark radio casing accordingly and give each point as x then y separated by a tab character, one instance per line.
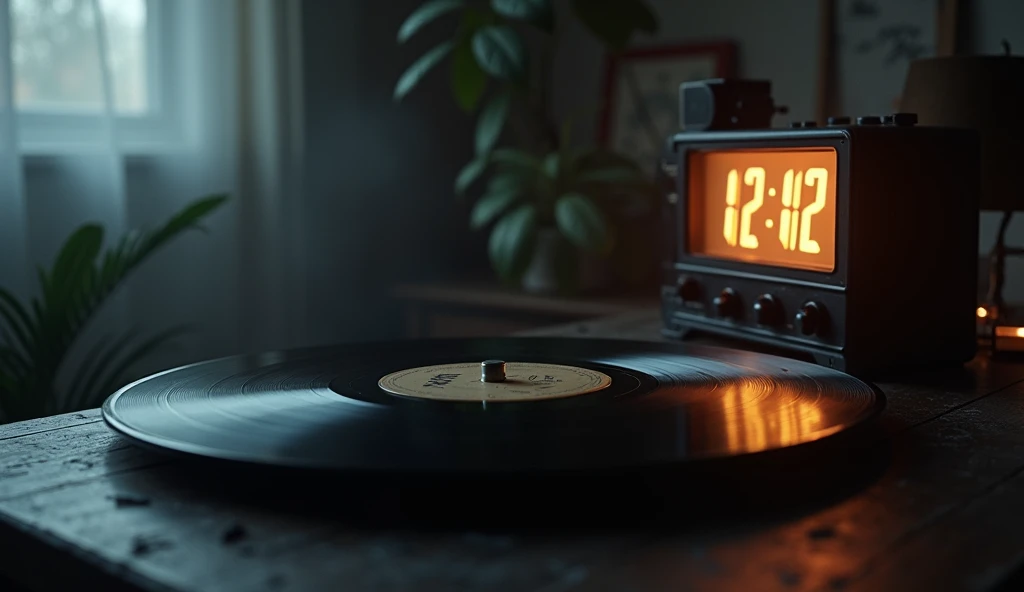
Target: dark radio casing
904	288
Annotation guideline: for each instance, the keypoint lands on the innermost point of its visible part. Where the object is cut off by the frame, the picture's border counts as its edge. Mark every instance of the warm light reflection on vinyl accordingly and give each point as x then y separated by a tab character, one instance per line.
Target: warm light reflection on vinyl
754	423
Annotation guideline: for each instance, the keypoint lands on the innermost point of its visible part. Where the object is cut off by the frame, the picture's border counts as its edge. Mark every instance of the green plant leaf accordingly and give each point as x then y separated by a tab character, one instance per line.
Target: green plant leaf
96	361
536	12
498	198
551	182
468	80
426	14
187	218
500	52
18	322
491	122
513	180
73	262
38	313
552	165
512	158
582	222
613	22
512	242
522	169
82	246
420	68
469	173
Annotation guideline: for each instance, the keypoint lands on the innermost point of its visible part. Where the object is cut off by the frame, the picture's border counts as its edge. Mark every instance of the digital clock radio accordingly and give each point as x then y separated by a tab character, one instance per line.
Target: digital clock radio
854	245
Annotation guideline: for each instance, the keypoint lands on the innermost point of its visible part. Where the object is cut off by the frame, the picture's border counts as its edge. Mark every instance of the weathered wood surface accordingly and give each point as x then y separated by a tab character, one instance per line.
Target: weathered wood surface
80	506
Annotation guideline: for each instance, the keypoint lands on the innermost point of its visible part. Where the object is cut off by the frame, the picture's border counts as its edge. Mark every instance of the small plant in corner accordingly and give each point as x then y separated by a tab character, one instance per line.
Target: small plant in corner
535	180
37	336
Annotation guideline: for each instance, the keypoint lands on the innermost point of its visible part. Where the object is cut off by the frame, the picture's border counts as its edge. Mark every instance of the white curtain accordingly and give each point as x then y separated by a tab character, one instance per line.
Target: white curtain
13	222
229	122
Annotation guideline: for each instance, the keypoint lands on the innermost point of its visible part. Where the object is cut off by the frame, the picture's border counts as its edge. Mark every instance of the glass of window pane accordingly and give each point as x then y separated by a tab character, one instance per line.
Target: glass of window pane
55	50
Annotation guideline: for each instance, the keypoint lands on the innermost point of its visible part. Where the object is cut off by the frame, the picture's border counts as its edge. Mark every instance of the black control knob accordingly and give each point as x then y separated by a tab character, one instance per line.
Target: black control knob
689	289
907	119
767	310
727	304
869	120
839	120
810	319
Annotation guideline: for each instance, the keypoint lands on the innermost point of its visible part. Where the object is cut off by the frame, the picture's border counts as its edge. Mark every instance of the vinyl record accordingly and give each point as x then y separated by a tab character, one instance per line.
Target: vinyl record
566	405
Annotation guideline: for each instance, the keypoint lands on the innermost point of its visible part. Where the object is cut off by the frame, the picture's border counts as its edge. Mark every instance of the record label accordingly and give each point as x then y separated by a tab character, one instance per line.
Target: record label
523	382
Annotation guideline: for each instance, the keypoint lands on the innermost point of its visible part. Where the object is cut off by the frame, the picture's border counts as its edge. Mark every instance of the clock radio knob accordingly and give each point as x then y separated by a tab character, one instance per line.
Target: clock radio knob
810	319
767	310
688	289
727	304
903	119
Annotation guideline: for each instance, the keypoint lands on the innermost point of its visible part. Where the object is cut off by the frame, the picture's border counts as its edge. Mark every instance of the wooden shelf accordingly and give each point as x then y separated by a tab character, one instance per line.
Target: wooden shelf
469	309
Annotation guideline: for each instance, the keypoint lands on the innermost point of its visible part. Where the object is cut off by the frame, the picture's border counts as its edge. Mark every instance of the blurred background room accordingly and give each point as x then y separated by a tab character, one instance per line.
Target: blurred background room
379	170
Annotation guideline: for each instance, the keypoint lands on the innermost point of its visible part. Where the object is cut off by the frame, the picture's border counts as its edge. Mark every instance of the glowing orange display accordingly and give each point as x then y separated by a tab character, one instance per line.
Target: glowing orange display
767	206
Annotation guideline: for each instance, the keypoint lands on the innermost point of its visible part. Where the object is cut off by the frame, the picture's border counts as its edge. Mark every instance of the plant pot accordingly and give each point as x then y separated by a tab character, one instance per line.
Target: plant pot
558	267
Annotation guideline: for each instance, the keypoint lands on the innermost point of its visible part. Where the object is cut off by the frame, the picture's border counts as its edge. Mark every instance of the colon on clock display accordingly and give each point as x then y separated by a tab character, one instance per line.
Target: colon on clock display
773	206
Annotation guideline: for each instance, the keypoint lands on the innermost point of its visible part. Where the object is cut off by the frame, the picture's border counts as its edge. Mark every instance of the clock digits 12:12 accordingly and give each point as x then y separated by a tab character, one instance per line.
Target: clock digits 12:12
737	220
771	206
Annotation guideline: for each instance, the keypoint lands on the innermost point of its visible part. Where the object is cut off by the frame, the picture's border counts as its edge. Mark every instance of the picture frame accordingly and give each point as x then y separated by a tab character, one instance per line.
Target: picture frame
867	45
638	129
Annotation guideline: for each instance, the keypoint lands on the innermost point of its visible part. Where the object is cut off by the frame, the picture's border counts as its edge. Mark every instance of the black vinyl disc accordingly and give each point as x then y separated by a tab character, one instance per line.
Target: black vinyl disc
660	404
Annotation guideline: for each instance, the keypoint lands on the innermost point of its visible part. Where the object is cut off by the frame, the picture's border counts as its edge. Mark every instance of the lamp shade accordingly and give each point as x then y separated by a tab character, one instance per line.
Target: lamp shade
985	93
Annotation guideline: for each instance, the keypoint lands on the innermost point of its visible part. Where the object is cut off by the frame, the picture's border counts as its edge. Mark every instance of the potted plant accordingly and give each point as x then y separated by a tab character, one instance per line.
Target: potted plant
36	337
549	204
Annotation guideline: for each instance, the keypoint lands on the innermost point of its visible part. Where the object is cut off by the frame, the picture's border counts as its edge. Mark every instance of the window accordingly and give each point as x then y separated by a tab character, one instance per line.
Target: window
55	50
59	83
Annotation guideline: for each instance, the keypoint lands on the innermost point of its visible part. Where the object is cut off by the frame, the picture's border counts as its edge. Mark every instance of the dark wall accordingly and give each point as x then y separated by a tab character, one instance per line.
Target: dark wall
380	206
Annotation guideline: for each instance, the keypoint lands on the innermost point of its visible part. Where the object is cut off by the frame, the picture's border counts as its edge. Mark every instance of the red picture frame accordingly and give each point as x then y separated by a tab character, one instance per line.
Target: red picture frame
723	52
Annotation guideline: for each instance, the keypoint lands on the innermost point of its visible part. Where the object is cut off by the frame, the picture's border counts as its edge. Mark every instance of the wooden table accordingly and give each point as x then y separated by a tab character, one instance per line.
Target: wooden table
80	508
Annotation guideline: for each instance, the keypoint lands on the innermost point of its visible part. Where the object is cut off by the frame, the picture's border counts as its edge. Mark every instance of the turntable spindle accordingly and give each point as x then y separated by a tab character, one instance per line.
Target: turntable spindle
492	371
